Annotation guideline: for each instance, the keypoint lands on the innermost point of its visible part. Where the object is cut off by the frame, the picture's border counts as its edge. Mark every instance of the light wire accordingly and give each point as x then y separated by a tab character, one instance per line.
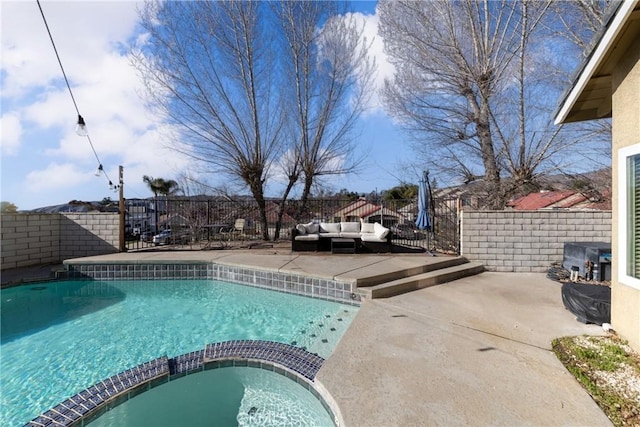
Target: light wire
64	74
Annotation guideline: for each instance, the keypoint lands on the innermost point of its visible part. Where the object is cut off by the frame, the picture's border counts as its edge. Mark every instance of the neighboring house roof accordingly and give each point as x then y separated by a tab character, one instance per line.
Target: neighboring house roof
355	208
272	214
565	199
589	97
175	220
271	211
364	209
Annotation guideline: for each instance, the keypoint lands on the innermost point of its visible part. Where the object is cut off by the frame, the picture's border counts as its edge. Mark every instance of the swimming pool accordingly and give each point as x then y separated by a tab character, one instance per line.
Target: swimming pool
61	337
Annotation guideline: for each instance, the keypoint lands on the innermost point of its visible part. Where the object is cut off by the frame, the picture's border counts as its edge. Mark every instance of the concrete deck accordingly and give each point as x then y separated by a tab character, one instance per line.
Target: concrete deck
475	351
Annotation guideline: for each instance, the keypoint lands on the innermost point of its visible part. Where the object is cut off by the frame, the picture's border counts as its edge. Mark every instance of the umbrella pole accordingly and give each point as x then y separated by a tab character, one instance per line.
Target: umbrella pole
432	214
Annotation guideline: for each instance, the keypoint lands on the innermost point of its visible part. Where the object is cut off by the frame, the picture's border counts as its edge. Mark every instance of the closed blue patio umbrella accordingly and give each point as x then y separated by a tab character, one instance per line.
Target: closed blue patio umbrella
423	221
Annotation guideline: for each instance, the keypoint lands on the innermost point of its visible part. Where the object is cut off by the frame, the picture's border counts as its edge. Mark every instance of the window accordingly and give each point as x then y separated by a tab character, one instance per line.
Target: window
629	215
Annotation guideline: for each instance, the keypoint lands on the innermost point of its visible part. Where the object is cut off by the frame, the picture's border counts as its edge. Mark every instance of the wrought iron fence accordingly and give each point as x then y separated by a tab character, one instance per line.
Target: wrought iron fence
201	222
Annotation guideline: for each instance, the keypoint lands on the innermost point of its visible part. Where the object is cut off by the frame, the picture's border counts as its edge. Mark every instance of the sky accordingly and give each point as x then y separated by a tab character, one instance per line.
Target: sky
44	162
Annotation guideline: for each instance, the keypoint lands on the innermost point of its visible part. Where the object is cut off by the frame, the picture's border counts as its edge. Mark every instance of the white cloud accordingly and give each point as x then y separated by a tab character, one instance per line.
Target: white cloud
385	70
56	177
82	32
49	162
92	40
11	133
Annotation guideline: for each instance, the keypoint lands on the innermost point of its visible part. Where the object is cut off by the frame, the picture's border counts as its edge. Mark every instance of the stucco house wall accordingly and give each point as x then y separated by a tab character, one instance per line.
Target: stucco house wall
625	300
607	84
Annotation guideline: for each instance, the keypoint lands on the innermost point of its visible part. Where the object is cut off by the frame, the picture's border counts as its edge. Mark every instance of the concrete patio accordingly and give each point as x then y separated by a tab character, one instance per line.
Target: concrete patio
476	351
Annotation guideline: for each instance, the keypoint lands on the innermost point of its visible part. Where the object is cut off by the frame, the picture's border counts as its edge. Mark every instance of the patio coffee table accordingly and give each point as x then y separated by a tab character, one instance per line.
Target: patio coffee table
343	246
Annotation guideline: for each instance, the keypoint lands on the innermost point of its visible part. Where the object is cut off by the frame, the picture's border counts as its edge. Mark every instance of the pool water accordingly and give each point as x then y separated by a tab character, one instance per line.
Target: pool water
58	338
239	396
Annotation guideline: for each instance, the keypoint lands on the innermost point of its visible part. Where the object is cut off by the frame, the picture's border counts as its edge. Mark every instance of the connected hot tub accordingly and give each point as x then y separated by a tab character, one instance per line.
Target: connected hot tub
227	396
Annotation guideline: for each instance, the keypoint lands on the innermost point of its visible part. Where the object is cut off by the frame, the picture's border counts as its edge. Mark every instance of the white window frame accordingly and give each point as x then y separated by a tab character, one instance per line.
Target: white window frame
623	154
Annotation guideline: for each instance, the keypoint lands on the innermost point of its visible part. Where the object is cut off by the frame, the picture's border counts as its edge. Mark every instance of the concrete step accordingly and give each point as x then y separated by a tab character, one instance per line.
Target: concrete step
433	264
419	281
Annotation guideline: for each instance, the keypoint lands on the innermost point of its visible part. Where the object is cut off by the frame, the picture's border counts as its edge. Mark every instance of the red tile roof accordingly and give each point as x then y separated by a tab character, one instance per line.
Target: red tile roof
555	199
539	200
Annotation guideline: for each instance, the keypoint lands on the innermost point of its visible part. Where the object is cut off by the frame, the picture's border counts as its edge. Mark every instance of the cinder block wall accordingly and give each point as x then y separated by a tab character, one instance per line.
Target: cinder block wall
87	234
528	241
28	239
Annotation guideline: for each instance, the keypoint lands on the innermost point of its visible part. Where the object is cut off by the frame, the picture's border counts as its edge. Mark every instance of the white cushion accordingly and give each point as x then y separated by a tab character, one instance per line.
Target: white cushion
367	227
380	231
301	229
350	227
329	235
349	235
330	227
312	228
370	237
308	237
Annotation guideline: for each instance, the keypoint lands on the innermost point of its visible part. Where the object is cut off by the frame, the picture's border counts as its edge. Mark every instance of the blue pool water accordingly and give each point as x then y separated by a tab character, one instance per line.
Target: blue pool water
222	397
58	338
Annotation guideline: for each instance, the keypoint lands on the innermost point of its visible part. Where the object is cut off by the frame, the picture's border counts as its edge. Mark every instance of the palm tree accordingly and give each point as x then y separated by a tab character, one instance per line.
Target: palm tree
159	186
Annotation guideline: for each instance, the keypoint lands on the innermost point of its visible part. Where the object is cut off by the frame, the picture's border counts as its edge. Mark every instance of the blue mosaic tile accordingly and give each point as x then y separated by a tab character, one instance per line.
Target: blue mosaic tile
293	358
283	282
96	396
68	415
186	363
67	411
38	422
89	405
56	418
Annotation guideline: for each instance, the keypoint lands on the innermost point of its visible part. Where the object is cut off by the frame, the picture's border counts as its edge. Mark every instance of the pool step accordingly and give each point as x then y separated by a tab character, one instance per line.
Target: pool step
433	264
419	281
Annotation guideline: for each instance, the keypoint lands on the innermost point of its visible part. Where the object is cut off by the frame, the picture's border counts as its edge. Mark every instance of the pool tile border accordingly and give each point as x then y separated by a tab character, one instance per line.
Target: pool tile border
326	289
292	362
298	360
94	401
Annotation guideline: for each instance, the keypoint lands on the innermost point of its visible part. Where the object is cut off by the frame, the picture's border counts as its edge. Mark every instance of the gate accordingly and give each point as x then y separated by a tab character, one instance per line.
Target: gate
444	236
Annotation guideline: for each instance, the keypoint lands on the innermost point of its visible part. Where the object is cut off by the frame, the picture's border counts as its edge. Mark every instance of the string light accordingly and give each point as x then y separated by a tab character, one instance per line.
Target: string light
81	126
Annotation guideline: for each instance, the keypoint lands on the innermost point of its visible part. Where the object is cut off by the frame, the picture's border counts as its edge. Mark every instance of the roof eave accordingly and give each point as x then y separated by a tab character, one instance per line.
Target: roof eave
592	63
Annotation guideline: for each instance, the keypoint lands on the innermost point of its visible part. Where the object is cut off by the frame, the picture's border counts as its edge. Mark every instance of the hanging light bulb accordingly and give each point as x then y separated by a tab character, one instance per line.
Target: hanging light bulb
81	127
99	170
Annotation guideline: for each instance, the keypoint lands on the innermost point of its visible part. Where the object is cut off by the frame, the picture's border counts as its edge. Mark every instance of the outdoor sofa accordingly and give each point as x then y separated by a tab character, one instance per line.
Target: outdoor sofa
369	237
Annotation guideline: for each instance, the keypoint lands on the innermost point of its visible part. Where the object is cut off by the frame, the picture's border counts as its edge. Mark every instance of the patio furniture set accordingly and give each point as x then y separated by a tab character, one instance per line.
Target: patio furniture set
341	237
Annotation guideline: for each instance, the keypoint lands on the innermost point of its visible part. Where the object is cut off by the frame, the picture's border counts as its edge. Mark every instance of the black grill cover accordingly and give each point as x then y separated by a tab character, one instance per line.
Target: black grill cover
590	303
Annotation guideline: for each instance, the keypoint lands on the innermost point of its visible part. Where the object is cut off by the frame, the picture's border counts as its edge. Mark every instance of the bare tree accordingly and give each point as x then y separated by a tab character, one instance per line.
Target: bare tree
257	88
475	80
208	68
192	205
330	76
541	75
450	59
577	21
523	151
